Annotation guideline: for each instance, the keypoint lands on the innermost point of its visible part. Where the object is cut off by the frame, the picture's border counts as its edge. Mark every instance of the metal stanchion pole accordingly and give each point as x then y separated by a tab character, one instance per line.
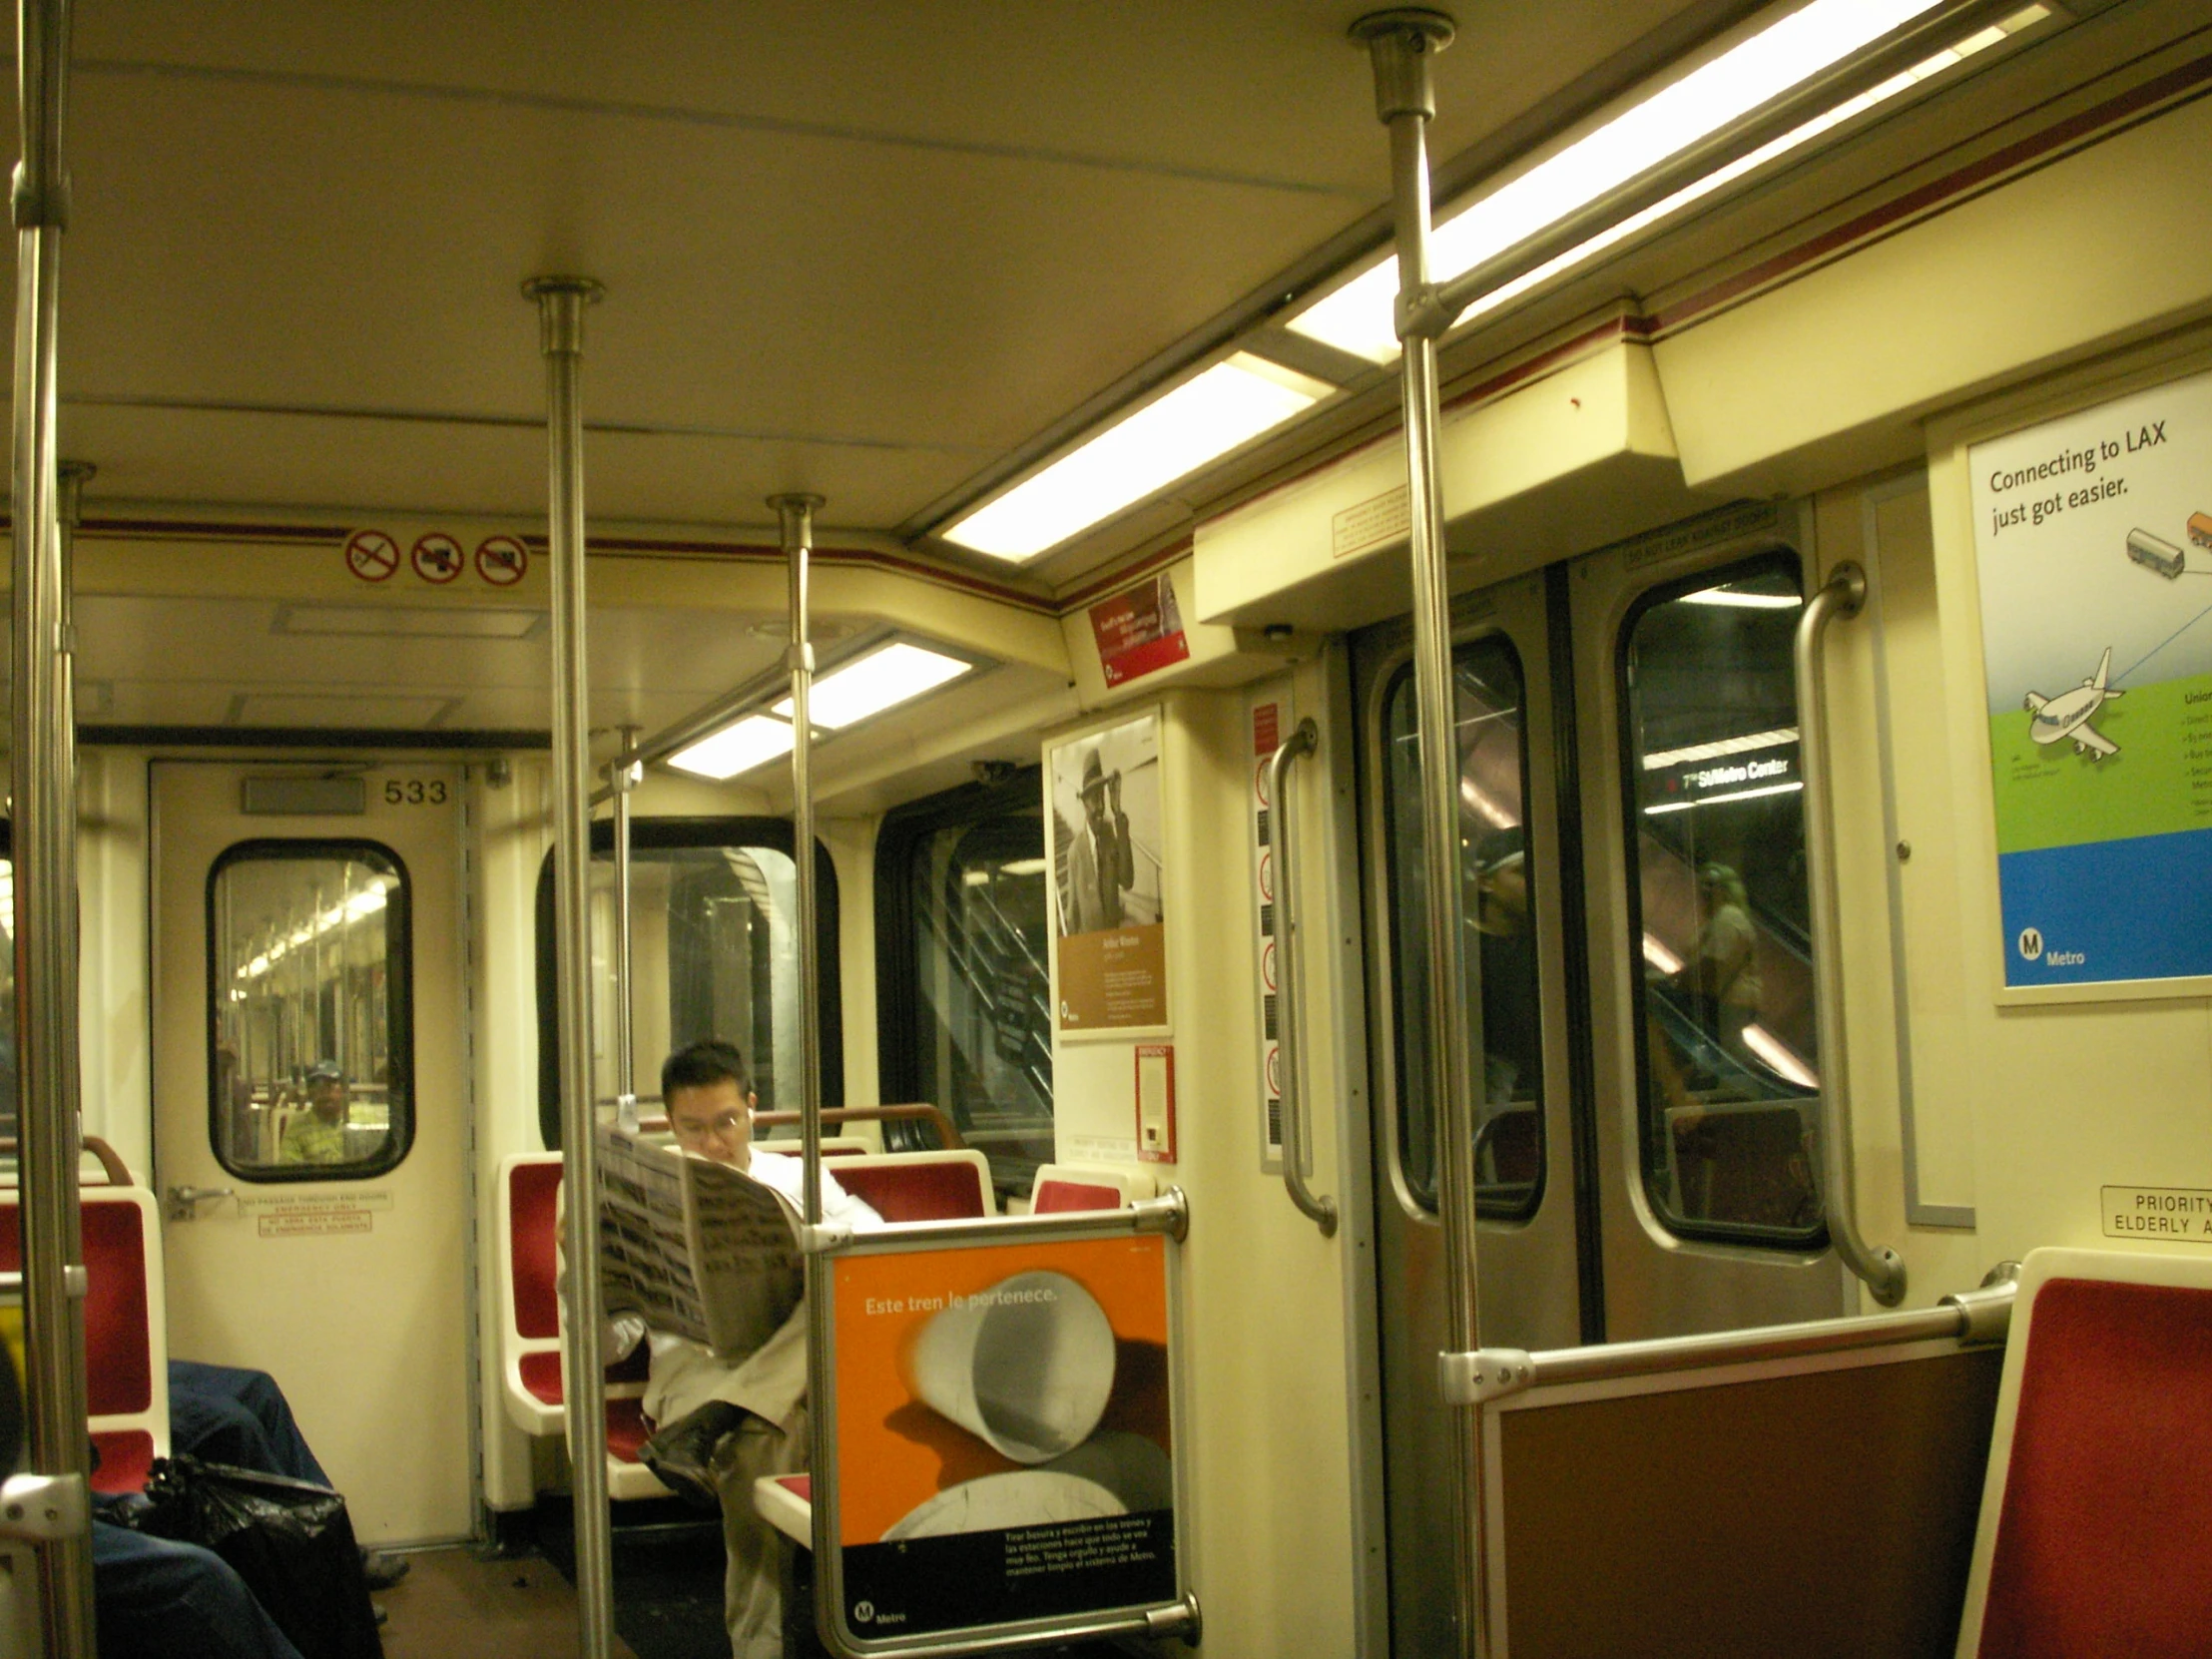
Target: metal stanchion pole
45	826
561	302
796	515
1402	44
623	778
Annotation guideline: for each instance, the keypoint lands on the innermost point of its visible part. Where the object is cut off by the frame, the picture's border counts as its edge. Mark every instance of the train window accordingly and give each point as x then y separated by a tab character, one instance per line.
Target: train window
1727	1062
963	918
311	1059
1496	873
712	954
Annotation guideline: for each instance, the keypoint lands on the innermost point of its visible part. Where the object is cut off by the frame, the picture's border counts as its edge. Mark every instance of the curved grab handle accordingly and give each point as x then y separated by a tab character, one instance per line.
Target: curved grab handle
1882	1270
1320	1211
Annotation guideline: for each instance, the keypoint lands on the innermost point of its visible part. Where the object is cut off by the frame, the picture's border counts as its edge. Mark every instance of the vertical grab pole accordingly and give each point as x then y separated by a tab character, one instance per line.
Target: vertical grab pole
623	777
1843	594
795	515
45	783
561	302
1401	43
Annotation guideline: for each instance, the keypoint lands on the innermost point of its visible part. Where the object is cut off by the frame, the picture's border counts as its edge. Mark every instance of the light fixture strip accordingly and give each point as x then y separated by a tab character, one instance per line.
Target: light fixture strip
1142	451
1804	74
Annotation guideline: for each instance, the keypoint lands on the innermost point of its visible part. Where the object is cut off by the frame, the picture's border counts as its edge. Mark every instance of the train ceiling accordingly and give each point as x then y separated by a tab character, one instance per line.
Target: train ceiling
865	250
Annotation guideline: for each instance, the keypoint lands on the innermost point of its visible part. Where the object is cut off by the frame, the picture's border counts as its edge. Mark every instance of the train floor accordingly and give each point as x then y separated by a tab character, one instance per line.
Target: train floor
516	1599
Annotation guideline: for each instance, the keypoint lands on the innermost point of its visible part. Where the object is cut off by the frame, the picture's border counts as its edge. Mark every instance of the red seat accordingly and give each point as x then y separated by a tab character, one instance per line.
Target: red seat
2095	1536
921	1186
124	1345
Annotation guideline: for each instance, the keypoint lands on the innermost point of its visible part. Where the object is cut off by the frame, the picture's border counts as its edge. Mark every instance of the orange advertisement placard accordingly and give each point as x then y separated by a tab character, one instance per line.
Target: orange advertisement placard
1004	1444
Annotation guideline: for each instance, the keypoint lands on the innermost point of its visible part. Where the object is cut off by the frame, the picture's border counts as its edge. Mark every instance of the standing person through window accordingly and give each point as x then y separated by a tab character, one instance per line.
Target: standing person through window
723	1424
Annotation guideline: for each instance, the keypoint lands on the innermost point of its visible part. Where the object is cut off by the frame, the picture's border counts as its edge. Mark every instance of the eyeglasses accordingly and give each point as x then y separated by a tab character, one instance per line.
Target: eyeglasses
691	1129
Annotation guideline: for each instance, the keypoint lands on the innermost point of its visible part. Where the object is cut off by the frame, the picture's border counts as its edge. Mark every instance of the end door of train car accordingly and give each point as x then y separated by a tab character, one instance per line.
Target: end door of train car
312	1112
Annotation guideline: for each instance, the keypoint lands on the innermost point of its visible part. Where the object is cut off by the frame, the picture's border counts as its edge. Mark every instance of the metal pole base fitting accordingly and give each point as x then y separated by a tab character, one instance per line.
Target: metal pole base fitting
43	1508
1400	42
561	302
1486	1375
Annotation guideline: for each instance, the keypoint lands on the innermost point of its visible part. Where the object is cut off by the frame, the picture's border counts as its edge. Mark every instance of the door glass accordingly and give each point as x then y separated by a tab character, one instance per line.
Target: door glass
983	1010
309	1059
714	952
1729	1064
1495	875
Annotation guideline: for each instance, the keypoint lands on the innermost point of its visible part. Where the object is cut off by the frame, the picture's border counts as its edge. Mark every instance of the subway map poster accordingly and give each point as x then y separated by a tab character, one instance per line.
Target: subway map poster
2093	539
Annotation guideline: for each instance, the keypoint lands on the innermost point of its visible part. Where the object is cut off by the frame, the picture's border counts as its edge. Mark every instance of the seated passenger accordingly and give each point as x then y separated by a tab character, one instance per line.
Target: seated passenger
723	1424
155	1599
225	1415
318	1134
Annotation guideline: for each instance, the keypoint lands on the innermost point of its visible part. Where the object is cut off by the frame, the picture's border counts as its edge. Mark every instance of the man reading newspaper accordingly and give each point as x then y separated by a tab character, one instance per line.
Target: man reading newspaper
732	1412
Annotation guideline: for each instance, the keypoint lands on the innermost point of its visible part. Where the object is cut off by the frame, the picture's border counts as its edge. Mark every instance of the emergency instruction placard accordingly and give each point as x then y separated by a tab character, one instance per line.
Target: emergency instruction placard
2093	540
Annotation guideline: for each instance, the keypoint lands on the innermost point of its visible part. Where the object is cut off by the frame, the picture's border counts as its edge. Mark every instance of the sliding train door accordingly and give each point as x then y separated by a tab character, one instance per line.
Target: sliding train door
1518	912
1632	860
312	1112
1704	1063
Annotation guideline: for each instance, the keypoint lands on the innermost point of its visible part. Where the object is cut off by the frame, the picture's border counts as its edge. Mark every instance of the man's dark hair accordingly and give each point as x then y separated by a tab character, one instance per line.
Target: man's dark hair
702	1065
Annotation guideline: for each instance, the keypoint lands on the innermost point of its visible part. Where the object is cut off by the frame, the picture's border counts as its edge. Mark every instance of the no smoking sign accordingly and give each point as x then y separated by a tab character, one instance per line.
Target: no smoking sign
371	555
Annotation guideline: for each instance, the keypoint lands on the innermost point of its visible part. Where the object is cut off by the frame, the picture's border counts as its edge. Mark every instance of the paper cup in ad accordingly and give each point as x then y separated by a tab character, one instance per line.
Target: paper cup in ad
1026	1366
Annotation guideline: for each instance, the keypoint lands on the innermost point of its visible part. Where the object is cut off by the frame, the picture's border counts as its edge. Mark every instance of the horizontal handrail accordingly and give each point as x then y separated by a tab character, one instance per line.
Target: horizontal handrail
117	1172
873	1114
1970	1318
1170	1213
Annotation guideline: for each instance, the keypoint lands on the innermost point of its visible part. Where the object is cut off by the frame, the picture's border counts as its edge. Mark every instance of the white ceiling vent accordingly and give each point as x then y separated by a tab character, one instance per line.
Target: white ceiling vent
416	622
336	710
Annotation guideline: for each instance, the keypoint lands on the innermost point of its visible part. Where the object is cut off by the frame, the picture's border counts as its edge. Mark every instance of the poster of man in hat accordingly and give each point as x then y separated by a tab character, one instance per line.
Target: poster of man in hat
1106	866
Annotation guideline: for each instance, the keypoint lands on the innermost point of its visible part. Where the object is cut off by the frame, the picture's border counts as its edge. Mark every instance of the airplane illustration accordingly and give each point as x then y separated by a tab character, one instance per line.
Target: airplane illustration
2051	719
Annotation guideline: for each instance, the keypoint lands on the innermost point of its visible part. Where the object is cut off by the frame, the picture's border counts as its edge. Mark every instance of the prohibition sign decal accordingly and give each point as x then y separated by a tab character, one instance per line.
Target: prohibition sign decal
371	555
437	558
501	561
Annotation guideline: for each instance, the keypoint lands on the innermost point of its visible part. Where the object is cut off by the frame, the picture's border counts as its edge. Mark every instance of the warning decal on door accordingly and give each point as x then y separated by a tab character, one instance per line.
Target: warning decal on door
306	1215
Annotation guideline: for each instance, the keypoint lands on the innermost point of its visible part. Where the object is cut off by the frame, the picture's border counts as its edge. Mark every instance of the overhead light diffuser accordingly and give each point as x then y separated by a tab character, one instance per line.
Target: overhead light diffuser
1231	403
739	747
1357	318
884	678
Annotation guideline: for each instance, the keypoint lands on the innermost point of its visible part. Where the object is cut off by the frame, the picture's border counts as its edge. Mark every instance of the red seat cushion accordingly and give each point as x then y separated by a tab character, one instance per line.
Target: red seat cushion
627	1430
2104	1541
1056	1196
533	1192
541	1372
800	1486
126	1457
118	1370
917	1190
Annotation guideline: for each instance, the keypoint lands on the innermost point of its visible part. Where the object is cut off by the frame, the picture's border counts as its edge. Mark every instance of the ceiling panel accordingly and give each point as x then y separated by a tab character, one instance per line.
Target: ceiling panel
863	250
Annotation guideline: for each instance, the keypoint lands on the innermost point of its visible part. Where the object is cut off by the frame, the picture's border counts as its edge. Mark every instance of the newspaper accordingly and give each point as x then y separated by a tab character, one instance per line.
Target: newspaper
698	1248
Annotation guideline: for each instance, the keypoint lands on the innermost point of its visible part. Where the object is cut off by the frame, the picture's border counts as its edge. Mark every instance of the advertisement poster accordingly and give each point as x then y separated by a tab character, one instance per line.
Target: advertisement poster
1003	1434
1138	630
2093	536
1109	933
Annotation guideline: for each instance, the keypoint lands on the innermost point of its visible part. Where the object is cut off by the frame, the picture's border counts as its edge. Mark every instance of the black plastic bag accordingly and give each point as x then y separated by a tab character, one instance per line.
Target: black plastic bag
291	1540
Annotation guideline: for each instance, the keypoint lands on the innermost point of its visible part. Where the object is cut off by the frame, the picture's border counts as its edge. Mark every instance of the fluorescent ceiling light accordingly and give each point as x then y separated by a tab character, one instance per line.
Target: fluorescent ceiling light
1736	600
1357	318
883	679
739	747
1232	402
1775	738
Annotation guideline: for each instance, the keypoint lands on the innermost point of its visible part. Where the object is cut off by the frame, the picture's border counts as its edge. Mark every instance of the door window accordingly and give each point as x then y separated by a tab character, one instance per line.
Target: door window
1496	873
714	952
966	1010
309	1055
1728	1058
